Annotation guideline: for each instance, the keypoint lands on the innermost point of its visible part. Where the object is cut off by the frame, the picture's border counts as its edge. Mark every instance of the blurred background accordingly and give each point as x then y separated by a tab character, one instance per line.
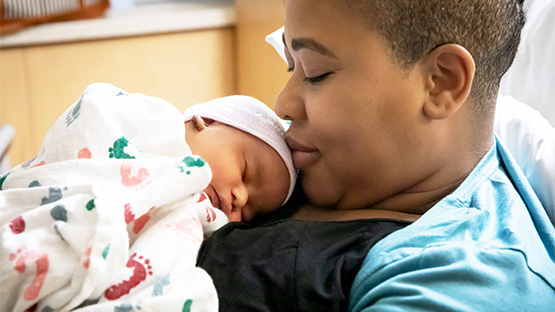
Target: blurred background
182	51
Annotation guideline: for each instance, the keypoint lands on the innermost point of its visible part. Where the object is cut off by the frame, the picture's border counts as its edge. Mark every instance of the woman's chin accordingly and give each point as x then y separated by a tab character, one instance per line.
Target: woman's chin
319	192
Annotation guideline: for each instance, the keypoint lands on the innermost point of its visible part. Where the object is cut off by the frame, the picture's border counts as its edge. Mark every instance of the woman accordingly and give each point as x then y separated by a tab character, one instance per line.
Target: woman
391	107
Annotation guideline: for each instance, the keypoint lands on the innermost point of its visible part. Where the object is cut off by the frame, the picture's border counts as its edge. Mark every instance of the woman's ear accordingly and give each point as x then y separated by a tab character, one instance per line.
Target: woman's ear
449	71
198	122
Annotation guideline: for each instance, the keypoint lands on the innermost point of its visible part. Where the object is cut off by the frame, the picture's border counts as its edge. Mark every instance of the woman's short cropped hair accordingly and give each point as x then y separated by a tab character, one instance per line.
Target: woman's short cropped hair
488	29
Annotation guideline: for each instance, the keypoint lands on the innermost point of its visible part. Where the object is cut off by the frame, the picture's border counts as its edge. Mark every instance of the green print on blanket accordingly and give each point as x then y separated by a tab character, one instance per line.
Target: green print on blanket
187	306
117	150
105	251
2	179
191	162
90	205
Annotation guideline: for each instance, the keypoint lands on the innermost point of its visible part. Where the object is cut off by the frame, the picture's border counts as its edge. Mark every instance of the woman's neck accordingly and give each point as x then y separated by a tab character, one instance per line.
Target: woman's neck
314	213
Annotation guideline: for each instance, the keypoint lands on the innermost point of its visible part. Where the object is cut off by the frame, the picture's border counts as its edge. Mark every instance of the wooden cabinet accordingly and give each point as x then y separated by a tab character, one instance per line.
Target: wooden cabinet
261	71
38	83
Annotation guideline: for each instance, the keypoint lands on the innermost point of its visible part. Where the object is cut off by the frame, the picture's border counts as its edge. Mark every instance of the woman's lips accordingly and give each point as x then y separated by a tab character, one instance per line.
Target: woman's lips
303	155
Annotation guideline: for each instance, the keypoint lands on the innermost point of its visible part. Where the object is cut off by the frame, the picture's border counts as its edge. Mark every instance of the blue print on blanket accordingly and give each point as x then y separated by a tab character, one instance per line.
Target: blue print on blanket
47	309
59	213
73	114
121	92
158	289
28	162
127	307
34	183
54	194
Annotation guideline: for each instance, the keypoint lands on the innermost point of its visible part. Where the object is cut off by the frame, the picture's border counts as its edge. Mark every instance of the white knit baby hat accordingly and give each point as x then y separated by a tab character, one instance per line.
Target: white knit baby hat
252	116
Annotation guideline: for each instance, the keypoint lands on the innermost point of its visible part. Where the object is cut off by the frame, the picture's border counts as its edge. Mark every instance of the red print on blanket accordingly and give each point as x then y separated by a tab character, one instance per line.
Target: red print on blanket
188	229
210	213
17	225
130	181
84	153
41	163
40	258
139	223
141	267
87	260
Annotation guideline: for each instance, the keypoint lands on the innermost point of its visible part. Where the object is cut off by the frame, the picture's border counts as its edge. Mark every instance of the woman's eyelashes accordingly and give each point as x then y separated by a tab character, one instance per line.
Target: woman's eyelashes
316	79
311	80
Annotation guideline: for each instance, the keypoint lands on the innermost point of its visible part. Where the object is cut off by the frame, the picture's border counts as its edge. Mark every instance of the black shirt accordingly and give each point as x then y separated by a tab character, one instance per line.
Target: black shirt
290	265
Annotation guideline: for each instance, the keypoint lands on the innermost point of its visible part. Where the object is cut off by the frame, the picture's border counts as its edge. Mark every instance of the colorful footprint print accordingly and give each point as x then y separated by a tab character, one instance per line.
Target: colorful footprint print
59	213
141	269
116	151
188	229
2	179
140	222
190	162
21	258
128	307
34	183
187	306
84	153
128	180
54	194
210	213
17	225
158	289
87	260
73	114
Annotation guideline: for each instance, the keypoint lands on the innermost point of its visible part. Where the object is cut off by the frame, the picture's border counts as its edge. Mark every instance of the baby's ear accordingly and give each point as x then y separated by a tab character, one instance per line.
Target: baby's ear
450	71
198	122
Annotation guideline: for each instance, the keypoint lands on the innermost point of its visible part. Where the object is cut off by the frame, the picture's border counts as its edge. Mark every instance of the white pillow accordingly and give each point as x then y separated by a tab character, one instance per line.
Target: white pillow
531	78
276	40
531	140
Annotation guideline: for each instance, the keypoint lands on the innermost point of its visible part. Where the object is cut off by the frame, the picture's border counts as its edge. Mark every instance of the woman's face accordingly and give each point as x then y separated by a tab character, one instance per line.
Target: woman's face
354	113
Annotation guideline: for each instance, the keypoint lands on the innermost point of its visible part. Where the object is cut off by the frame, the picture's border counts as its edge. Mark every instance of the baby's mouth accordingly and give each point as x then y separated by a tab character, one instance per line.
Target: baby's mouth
216	200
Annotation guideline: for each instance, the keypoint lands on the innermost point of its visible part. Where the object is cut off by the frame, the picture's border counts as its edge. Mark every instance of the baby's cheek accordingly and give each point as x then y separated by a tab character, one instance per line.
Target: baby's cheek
237	216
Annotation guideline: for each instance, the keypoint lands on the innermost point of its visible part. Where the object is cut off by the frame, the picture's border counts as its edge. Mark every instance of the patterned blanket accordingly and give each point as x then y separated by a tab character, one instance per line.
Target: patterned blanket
110	214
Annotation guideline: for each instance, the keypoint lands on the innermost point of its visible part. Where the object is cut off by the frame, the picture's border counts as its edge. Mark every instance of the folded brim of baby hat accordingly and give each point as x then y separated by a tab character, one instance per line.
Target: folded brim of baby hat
252	116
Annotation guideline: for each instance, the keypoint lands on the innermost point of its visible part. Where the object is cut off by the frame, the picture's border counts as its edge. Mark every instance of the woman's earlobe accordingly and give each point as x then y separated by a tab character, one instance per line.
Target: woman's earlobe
450	70
198	122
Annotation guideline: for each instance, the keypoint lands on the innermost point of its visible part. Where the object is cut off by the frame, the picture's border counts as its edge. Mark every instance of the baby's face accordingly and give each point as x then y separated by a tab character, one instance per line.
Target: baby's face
248	176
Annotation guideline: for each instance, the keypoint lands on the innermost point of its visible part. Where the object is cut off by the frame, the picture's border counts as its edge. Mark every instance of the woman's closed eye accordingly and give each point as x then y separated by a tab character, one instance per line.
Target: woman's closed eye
316	79
311	80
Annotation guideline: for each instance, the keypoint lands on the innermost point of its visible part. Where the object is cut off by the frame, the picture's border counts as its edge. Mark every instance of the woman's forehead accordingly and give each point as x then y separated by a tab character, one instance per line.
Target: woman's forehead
324	22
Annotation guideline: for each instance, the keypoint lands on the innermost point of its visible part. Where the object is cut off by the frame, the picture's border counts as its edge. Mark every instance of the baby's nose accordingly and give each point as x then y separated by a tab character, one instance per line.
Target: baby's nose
239	197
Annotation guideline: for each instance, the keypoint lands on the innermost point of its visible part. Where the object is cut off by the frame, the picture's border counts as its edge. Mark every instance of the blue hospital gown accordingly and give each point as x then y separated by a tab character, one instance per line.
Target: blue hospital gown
489	246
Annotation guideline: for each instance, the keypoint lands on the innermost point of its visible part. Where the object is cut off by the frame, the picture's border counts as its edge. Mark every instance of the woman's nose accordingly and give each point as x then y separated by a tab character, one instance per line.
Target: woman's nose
289	104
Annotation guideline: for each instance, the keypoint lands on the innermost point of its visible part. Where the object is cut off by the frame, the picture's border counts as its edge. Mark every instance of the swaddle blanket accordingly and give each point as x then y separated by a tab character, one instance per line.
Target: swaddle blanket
110	214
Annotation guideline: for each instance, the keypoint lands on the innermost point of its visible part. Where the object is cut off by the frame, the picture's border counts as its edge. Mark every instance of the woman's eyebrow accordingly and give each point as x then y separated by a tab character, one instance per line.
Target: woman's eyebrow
305	43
